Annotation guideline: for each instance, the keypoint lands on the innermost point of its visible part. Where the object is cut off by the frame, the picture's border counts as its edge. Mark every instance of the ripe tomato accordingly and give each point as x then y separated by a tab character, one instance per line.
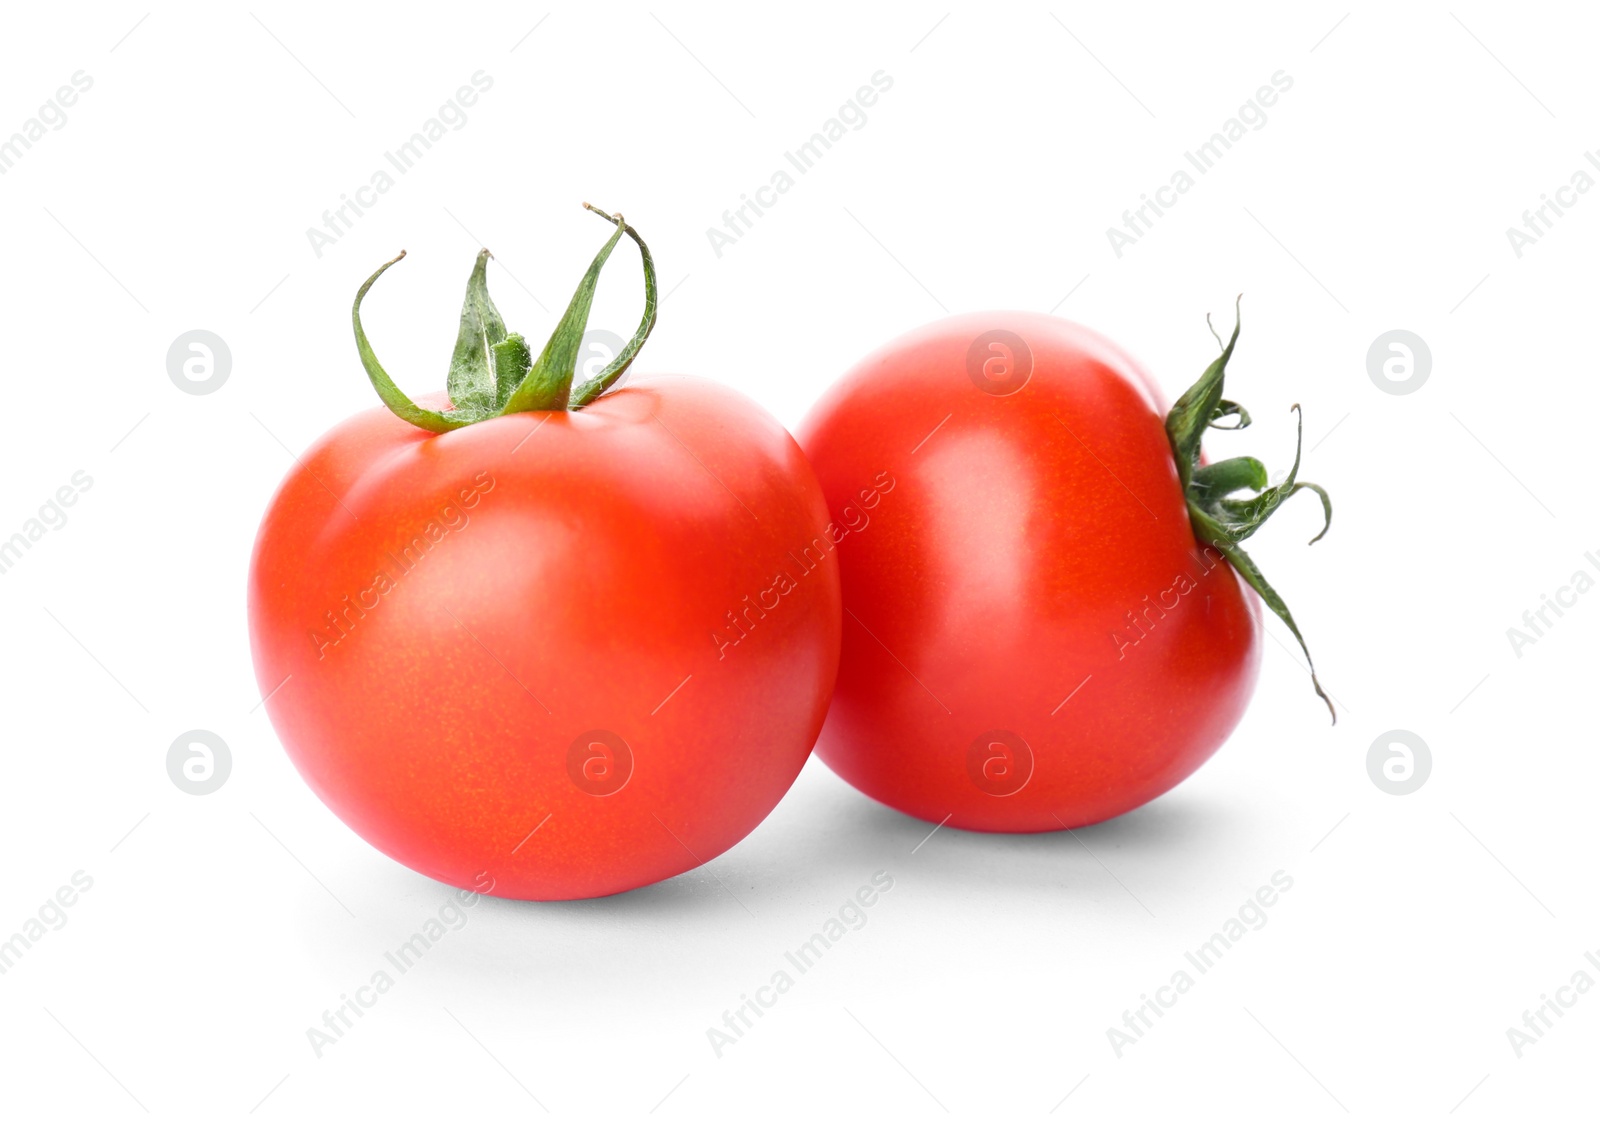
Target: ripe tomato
551	653
1045	619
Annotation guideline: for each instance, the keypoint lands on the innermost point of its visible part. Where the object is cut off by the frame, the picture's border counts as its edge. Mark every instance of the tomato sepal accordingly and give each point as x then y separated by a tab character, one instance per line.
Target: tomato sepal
394	398
1221	518
608	376
472	382
492	372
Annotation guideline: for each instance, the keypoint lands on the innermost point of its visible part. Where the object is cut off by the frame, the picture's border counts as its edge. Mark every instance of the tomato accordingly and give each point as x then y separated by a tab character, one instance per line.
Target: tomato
547	653
1047	616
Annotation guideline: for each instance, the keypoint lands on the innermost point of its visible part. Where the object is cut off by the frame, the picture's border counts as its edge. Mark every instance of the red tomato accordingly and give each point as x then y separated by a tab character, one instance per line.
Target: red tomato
524	627
550	654
1034	638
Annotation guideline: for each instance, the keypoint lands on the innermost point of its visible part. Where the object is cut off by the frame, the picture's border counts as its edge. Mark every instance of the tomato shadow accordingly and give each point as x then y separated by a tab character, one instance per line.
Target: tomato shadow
1178	833
688	936
830	839
1168	822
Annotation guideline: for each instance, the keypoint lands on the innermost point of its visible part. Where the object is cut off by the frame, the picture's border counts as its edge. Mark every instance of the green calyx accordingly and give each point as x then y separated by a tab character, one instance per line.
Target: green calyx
493	372
1220	517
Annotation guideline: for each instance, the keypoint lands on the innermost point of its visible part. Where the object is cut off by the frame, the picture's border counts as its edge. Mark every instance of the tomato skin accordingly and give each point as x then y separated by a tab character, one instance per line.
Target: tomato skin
1006	571
549	575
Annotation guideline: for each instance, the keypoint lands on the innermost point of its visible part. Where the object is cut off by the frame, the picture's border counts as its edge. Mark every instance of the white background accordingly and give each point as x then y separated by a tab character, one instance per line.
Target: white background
1377	196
